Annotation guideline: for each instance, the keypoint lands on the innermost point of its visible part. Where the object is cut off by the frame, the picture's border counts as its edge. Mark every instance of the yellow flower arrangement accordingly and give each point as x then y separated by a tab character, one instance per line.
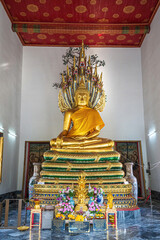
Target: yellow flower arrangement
99	215
79	218
71	216
58	215
111	218
61	216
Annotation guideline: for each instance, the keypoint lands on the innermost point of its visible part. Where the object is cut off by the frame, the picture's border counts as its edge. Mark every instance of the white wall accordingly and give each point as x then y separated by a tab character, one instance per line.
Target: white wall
42	120
151	92
10	97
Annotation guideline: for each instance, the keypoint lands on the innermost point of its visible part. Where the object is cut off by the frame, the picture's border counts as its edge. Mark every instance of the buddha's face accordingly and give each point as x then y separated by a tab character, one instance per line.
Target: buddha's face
82	99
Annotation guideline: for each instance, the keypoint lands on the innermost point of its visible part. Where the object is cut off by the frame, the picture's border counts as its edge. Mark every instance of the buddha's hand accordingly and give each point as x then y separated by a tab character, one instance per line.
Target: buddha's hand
80	137
59	142
59	139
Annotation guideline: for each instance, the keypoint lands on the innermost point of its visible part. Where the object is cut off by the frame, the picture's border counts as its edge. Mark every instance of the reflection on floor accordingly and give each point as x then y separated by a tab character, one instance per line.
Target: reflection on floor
148	227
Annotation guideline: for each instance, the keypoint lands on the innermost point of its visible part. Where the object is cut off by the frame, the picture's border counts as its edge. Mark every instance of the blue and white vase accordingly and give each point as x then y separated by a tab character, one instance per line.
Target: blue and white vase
63	196
132	179
34	179
71	201
100	199
90	200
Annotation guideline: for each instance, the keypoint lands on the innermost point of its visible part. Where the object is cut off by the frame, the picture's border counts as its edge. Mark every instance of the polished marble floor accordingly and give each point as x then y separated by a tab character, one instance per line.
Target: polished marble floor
146	227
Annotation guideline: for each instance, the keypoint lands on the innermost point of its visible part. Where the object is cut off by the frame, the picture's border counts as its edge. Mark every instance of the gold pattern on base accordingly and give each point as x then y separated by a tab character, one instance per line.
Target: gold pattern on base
113	188
92	181
107	165
89	150
88	174
55	155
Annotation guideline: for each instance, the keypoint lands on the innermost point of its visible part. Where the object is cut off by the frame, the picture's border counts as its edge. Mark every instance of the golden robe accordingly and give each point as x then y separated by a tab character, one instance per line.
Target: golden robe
85	120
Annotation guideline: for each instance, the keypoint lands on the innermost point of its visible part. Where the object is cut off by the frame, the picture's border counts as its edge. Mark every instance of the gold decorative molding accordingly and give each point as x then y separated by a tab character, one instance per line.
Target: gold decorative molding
109	173
113	188
92	181
95	155
69	150
67	165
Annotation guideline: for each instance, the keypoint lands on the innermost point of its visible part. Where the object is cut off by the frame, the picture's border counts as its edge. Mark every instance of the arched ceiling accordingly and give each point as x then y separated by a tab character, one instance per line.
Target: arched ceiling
100	23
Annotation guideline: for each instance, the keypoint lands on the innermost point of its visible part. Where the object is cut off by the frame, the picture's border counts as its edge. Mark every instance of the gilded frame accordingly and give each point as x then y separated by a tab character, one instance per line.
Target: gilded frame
29	157
1	155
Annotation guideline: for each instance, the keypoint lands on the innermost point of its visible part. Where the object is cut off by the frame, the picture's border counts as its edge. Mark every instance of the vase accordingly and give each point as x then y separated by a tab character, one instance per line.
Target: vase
90	200
34	179
100	199
71	201
132	179
63	196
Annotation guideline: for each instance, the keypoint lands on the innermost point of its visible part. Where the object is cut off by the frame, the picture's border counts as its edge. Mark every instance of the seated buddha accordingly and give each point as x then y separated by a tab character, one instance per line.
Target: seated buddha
86	126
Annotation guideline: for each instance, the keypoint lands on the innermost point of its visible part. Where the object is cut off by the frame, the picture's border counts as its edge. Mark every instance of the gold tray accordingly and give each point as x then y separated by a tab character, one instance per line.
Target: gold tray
23	228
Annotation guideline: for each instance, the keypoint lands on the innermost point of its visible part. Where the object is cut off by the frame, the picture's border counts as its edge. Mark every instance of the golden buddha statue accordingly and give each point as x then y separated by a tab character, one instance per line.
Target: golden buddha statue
87	124
82	113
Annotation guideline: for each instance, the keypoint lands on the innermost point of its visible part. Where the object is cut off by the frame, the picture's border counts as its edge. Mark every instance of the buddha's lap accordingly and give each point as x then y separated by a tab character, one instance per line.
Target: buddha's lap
91	141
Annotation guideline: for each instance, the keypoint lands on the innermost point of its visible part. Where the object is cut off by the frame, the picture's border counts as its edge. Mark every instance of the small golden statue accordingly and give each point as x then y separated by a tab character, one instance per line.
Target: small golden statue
110	200
81	194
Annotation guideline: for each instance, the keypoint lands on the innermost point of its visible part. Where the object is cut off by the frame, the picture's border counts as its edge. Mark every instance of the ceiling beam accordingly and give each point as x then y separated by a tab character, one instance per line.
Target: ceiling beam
65	28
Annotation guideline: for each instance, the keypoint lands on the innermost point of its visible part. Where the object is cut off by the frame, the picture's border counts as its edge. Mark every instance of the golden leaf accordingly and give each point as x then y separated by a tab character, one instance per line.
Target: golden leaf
101	103
61	103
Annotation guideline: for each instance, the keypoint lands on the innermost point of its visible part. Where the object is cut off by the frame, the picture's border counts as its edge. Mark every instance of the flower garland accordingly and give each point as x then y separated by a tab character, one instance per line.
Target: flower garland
93	207
65	208
65	194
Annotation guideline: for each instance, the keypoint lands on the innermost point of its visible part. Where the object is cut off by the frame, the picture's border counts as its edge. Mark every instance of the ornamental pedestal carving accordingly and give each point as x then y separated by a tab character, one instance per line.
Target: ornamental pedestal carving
34	179
132	179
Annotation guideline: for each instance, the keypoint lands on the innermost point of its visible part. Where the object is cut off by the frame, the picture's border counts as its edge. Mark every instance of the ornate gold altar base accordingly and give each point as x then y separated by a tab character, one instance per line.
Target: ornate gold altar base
47	193
101	170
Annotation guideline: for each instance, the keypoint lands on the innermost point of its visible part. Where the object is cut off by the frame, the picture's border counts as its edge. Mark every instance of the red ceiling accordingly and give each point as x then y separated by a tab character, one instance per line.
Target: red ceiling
100	23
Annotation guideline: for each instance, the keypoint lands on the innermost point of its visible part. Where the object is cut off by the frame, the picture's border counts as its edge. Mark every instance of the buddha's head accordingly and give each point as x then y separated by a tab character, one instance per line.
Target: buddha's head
82	96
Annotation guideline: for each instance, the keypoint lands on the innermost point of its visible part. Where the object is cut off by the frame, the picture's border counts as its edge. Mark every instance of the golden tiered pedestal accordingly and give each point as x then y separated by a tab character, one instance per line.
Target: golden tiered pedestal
100	170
